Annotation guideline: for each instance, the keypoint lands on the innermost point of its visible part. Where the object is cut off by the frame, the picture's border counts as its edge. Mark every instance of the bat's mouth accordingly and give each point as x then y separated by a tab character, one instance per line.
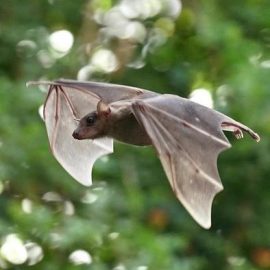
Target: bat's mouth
76	135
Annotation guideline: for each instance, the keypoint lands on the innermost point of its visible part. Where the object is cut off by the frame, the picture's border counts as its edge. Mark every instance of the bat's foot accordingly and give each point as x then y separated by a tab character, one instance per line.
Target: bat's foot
238	133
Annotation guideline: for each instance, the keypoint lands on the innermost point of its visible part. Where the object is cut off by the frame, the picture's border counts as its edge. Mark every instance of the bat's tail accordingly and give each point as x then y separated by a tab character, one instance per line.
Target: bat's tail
238	128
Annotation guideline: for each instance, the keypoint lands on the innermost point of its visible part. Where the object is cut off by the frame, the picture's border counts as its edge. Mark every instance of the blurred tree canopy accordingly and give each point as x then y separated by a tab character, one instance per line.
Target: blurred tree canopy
129	218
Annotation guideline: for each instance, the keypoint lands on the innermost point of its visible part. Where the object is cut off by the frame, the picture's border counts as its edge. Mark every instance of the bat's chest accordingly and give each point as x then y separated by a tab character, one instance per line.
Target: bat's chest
128	130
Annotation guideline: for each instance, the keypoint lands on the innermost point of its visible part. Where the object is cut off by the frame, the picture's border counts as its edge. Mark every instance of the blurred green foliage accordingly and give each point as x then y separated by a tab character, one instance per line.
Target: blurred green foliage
129	218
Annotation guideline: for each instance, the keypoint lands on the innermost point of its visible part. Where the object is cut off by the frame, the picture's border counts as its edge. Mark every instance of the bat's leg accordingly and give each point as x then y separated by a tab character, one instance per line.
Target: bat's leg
237	128
238	133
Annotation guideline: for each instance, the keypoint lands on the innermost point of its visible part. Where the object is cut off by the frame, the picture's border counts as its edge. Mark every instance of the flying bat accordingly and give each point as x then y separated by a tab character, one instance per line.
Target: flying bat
83	118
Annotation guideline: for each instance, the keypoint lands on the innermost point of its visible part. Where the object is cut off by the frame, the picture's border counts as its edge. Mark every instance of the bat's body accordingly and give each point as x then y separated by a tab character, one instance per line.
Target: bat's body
120	124
136	135
187	136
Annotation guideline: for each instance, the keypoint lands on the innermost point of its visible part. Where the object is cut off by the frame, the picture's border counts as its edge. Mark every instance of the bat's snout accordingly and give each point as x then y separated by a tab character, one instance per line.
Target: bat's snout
76	135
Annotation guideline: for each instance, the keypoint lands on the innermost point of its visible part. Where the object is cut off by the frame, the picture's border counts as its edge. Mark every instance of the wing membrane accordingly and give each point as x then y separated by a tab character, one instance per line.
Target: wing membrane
188	140
106	91
62	107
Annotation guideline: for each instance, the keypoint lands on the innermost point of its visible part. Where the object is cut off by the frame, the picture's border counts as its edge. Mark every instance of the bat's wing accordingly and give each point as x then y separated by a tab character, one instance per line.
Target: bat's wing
68	100
188	138
107	92
62	107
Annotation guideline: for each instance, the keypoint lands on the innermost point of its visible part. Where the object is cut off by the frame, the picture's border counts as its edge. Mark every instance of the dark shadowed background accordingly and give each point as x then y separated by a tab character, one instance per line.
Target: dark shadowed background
218	51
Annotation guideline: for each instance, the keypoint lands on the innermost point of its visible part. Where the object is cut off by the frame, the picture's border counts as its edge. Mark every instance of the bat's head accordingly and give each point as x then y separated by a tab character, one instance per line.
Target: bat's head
93	125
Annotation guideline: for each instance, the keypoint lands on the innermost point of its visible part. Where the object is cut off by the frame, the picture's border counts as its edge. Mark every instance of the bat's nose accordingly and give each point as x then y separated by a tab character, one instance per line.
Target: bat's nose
76	135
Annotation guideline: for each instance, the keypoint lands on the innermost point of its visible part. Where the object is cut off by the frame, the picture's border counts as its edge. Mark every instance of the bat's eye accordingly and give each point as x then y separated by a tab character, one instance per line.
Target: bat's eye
90	120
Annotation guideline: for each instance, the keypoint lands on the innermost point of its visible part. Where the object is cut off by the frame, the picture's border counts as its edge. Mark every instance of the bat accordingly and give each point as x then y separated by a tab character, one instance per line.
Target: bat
83	118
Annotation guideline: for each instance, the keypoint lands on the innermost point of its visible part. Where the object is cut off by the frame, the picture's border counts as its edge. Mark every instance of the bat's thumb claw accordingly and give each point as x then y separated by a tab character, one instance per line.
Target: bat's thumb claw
30	83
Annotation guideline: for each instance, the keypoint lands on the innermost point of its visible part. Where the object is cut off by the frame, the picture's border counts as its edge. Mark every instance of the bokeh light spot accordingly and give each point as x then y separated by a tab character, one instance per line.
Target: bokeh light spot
26	48
27	206
113	235
104	60
45	59
89	197
61	41
142	267
69	208
86	72
236	261
265	64
140	8
202	96
13	250
172	8
136	31
40	111
119	267
80	256
52	196
34	252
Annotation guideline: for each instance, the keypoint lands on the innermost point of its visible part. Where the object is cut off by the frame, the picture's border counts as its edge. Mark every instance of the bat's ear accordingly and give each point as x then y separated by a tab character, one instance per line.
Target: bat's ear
103	108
